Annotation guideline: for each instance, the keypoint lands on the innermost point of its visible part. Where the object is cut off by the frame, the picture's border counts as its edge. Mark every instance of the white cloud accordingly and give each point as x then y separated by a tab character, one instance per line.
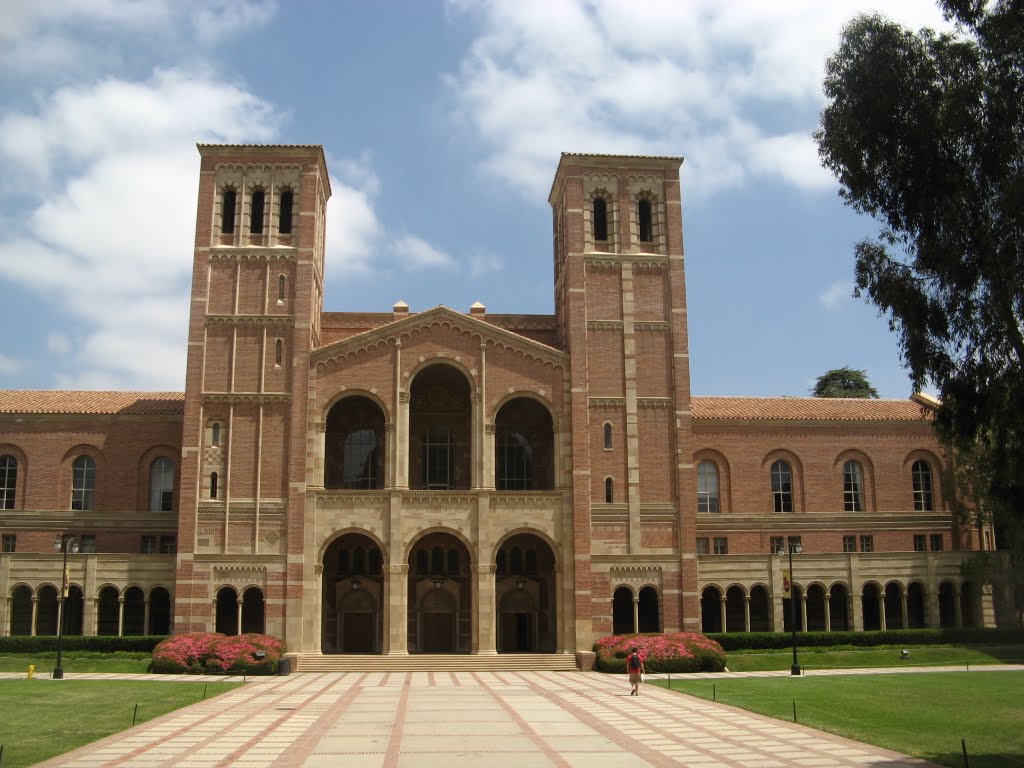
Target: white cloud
484	263
353	231
416	253
837	294
9	366
690	78
58	343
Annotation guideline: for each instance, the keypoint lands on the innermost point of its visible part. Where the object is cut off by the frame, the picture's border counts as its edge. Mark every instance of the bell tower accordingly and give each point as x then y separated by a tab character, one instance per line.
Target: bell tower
257	296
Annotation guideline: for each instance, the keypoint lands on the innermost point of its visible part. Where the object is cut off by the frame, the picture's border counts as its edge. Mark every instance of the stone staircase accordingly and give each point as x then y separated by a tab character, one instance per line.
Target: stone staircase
428	662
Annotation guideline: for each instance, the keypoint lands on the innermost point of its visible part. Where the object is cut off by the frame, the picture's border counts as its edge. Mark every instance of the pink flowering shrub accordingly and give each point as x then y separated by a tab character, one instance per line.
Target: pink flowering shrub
213	654
676	652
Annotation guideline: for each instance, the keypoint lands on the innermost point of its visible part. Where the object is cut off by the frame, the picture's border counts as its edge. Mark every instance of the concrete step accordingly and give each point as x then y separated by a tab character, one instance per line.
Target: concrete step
428	662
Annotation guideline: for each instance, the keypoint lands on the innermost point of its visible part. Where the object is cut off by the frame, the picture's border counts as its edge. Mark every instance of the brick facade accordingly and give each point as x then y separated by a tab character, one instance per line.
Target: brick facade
407	481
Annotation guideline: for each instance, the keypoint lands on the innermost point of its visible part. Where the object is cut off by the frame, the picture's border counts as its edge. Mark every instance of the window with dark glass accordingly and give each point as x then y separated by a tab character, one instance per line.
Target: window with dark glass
922	476
359	466
609	491
919	542
646	224
83	483
607	437
87	543
501	563
721	545
600	219
777	543
853	487
161	485
453	562
278	351
422	562
8	481
782	486
707	487
256	212
284	217
359	561
227	212
213	485
867	543
849	543
215	434
794	542
515	462
936	542
437	560
703	545
148	545
10	543
168	545
439	458
281	283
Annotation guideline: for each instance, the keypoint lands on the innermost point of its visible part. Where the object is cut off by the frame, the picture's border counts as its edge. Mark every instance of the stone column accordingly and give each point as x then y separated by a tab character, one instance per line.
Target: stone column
828	612
60	612
35	613
238	628
803	610
903	605
721	610
881	610
5	621
398	608
145	617
402	442
636	614
120	616
956	606
746	613
94	615
486	610
318	607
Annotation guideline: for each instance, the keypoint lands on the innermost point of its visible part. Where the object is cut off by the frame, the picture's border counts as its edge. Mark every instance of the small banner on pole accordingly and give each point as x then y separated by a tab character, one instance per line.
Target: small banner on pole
67	582
787	584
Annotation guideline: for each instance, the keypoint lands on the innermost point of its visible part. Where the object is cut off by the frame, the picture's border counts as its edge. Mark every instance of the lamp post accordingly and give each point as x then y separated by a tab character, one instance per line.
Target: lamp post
64	543
793	547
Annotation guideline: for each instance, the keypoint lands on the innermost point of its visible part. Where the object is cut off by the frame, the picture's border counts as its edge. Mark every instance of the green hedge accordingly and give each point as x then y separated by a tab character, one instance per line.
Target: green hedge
103	644
741	641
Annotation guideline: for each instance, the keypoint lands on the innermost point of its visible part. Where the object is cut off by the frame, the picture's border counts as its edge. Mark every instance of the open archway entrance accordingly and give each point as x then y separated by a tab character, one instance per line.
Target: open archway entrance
440	596
353	596
525	592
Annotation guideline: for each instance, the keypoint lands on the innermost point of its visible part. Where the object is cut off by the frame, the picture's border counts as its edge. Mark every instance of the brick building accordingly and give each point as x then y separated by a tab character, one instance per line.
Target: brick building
441	481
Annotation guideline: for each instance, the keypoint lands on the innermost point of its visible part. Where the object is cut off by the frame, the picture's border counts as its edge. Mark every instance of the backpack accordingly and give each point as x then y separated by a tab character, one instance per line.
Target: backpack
634	661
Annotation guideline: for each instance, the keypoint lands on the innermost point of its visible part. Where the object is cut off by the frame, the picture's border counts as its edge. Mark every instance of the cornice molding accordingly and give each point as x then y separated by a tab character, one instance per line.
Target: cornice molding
265	320
253	253
637	260
607	402
246	397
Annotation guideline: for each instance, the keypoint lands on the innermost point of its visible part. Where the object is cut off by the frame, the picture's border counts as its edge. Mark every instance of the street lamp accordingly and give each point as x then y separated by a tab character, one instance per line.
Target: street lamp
64	543
793	547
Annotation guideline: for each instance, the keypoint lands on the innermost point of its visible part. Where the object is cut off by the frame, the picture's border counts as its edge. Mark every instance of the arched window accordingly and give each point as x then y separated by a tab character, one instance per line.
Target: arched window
284	215
278	351
256	212
853	487
83	483
281	283
359	465
707	487
215	433
453	562
422	562
438	458
646	224
515	462
782	486
607	436
213	485
227	211
609	491
922	474
161	485
600	219
8	481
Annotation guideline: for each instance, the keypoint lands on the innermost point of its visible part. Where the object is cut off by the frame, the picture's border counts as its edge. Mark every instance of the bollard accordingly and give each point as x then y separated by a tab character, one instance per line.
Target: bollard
714	692
963	746
204	691
135	714
794	710
31	671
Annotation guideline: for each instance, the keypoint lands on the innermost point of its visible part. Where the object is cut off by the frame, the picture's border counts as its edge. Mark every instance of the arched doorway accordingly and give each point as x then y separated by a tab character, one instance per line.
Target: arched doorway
134	611
226	620
354	445
916	605
870	608
73	611
46	610
440	435
253	611
968	605
760	613
440	595
839	608
816	608
524	456
21	610
710	610
353	595
107	611
648	614
735	609
525	595
622	611
159	611
893	606
947	604
787	610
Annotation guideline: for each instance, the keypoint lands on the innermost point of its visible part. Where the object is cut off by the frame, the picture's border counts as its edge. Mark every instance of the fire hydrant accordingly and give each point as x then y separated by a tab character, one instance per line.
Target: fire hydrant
31	671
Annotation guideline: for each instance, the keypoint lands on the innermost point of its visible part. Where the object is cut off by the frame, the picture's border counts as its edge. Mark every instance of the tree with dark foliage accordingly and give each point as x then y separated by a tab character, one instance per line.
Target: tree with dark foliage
844	382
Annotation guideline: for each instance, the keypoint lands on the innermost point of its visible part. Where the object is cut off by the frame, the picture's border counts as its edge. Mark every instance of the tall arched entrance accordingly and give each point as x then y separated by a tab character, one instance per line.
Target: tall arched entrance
440	429
440	596
525	595
353	596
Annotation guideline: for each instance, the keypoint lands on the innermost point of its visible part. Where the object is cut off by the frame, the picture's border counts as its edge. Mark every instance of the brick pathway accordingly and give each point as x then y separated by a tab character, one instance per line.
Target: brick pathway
520	720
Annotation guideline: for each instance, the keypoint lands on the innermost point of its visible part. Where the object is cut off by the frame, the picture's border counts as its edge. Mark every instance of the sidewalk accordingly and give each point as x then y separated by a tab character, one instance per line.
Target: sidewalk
519	720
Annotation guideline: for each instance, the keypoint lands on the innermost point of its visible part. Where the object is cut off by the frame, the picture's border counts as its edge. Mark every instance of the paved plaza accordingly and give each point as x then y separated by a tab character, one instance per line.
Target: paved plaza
496	719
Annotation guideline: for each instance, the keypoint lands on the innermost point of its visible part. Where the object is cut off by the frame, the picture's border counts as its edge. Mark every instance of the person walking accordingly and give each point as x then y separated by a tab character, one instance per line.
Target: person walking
635	667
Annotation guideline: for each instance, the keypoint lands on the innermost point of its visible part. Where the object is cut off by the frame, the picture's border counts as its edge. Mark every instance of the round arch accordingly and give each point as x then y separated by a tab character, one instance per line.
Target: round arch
348	392
622	610
724	475
419	536
711	608
440	560
526	594
797	480
870	594
867	468
329	540
760	608
352	592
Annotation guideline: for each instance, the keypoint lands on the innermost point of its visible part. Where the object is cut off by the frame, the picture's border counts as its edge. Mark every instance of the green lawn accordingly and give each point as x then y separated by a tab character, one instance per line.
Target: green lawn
76	661
849	658
924	715
45	718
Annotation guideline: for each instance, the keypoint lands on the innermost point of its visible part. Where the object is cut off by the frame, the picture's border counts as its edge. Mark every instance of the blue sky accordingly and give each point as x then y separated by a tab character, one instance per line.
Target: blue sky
442	123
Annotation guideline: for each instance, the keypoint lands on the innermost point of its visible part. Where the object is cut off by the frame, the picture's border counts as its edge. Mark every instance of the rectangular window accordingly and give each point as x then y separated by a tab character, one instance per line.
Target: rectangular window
849	543
721	545
919	542
867	543
256	210
168	545
10	542
702	545
438	459
936	542
148	546
794	542
87	542
778	543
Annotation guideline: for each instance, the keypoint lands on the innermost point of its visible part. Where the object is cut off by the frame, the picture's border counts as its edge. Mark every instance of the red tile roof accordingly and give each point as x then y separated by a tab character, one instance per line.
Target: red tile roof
807	409
99	403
